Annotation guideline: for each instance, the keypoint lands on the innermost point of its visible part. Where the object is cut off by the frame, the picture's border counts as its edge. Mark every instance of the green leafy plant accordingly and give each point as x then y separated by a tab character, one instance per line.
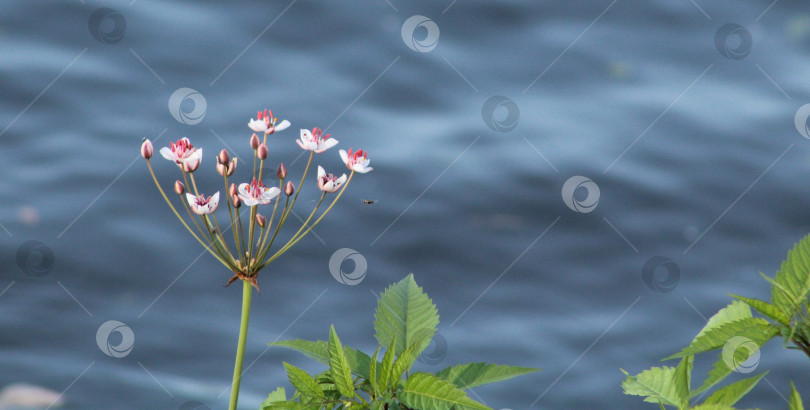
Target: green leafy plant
739	335
405	323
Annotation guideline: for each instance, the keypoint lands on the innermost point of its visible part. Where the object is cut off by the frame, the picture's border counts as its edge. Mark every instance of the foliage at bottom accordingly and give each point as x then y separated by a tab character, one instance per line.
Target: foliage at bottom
405	323
739	336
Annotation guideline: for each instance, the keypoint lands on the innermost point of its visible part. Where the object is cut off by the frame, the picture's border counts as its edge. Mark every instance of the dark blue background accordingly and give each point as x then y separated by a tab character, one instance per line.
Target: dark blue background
718	169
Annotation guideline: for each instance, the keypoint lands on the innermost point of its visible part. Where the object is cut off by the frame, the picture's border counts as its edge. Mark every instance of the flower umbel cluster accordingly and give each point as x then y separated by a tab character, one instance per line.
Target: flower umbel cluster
249	251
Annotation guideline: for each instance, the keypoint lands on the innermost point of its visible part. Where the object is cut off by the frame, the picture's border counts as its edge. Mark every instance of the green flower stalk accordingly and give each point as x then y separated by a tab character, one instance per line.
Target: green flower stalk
246	251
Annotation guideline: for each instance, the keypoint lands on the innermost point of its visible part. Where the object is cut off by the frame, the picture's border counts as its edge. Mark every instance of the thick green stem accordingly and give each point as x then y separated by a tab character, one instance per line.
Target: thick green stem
240	349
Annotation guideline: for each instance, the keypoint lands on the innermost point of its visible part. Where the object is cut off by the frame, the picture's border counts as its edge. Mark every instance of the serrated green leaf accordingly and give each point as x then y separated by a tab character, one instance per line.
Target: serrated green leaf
467	376
736	310
404	361
756	330
766	309
720	370
726	365
792	281
774	288
319	350
682	379
303	382
284	405
655	385
795	399
426	391
278	395
729	395
713	407
339	365
385	367
404	314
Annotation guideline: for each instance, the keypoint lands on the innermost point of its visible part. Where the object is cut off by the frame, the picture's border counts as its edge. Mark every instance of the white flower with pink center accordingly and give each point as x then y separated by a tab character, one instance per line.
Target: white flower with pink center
329	183
201	205
314	141
256	193
357	161
181	152
266	123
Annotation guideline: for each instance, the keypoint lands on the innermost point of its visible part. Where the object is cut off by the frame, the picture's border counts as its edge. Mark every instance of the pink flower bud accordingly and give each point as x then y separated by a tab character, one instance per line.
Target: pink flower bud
281	171
179	188
222	169
236	201
254	141
191	165
261	220
232	190
147	149
289	189
232	166
224	157
262	151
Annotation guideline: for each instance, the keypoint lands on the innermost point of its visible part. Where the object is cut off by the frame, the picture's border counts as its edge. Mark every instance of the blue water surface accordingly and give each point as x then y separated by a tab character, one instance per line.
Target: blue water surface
688	134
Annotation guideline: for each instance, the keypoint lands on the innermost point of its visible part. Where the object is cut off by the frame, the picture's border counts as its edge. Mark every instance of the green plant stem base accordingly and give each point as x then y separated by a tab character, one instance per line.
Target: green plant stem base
247	292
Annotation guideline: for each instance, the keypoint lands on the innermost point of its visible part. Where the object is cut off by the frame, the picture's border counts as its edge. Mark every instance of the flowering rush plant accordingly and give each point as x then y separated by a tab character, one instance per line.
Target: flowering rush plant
253	234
